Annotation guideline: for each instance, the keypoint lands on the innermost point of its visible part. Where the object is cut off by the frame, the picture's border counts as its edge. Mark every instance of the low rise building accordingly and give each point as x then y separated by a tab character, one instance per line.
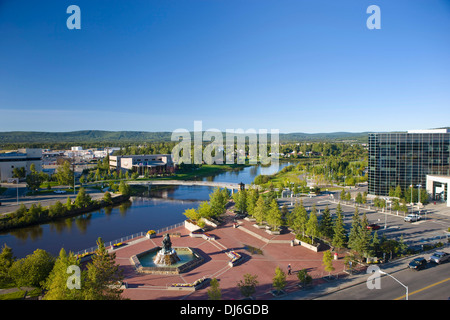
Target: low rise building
151	163
17	159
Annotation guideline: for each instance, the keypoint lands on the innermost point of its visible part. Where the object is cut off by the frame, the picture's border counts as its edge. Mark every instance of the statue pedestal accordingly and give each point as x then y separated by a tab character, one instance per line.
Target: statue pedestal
164	258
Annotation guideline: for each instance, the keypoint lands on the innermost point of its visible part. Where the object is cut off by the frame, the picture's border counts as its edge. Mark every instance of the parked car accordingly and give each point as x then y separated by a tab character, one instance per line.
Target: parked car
373	226
440	257
59	191
412	218
418	263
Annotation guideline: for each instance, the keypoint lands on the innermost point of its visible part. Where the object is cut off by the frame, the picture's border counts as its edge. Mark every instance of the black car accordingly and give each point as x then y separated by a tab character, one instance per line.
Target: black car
418	263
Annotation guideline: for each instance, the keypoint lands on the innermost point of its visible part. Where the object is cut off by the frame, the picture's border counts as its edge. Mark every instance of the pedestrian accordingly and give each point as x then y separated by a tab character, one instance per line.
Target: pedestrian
289	269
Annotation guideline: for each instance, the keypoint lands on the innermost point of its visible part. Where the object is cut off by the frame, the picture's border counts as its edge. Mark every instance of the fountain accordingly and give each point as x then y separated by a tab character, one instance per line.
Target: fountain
166	260
166	256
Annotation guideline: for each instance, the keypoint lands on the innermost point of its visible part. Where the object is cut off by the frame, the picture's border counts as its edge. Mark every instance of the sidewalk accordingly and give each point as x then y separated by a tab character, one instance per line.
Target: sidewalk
353	280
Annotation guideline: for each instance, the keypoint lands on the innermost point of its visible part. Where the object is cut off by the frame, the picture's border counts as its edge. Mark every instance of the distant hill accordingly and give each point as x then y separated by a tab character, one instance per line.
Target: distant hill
122	137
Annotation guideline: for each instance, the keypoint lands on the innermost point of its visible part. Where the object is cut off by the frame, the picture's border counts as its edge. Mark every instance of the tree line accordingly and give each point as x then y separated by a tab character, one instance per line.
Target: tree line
311	228
99	279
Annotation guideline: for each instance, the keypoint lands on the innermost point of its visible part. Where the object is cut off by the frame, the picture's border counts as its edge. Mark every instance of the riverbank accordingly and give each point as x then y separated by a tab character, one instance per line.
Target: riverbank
35	215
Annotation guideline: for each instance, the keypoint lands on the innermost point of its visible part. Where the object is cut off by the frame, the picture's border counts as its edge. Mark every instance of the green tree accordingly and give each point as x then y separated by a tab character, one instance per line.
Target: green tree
353	237
300	218
279	280
328	261
273	216
34	179
103	278
247	286
214	292
304	278
326	224
252	197
260	210
343	195
69	204
83	199
64	174
124	188
204	210
312	226
218	202
107	197
363	245
6	261
375	244
19	172
192	214
240	200
398	192
56	283
359	198
57	209
339	234
33	269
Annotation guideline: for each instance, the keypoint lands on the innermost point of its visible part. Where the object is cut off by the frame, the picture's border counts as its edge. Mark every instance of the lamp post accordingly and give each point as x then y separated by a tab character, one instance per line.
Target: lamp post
406	287
412	203
419	186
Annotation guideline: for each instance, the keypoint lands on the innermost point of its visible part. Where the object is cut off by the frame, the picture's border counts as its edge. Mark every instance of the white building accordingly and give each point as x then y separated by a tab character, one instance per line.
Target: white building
151	163
17	159
437	187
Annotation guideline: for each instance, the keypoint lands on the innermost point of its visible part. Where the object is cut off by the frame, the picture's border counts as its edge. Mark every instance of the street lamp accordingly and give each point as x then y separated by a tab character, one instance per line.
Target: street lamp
412	204
419	185
406	287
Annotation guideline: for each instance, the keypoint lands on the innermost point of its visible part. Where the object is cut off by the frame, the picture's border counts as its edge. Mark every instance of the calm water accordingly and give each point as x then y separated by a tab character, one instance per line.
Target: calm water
163	207
184	255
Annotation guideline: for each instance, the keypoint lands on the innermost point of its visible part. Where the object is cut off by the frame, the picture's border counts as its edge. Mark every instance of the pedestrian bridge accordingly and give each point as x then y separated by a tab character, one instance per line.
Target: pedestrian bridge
228	185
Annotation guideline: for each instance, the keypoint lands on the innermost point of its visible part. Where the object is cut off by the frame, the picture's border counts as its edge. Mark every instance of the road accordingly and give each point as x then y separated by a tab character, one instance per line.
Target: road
9	198
432	283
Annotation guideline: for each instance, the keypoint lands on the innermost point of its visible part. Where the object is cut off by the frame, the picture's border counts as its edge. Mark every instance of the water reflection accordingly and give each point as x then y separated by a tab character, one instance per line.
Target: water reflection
162	206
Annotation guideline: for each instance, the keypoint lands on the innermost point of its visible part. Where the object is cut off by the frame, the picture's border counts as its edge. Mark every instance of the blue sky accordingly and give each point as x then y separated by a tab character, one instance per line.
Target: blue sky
293	65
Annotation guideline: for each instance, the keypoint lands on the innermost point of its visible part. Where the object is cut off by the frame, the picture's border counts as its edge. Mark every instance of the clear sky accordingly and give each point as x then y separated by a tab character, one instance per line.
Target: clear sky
293	65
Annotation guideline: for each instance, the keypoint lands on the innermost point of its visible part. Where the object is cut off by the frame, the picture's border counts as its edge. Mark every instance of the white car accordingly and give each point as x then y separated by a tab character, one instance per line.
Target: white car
412	218
439	257
59	191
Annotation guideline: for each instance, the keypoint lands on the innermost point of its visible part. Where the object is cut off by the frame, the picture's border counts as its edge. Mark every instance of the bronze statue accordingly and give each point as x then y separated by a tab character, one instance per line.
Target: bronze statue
166	243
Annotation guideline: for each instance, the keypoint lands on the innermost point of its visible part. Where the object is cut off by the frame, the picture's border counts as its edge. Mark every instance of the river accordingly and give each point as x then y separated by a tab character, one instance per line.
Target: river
163	207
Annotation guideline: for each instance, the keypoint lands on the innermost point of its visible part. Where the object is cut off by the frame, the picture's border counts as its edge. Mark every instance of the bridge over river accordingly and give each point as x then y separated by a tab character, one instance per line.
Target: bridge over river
228	185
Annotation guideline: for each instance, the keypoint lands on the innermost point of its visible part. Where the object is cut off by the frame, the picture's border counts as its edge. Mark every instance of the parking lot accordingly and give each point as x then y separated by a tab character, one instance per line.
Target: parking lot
433	226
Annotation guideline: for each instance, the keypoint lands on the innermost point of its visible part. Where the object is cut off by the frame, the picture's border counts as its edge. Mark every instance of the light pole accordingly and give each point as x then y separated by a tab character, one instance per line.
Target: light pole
419	185
412	203
406	287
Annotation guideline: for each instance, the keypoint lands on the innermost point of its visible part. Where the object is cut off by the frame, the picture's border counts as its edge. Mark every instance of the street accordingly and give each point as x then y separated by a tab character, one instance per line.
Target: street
432	283
9	198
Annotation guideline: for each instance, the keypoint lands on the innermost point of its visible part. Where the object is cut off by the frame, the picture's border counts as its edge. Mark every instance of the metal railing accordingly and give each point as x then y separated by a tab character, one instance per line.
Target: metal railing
129	237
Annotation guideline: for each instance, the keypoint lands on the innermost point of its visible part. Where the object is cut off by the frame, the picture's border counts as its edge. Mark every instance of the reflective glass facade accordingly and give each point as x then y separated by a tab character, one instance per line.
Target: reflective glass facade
405	159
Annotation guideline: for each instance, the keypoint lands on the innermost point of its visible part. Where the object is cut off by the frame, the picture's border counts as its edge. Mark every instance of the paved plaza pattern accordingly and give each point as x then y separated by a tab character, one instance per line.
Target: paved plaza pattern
276	251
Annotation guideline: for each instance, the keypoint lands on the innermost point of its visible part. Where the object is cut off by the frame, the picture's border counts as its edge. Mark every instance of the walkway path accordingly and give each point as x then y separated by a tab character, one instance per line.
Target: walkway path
276	251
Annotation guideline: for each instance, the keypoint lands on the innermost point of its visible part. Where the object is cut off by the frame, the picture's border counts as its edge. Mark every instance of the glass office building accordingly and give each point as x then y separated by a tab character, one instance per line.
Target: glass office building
407	158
